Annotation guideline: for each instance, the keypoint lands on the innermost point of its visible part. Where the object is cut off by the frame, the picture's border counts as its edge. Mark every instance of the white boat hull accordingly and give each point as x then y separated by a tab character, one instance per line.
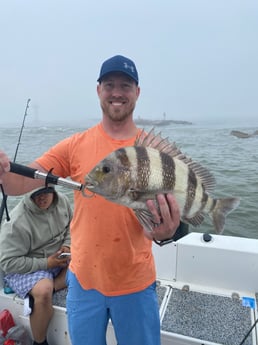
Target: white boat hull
204	291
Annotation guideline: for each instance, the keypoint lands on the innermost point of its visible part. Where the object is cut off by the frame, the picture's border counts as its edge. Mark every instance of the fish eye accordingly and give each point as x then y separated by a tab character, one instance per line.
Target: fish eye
106	169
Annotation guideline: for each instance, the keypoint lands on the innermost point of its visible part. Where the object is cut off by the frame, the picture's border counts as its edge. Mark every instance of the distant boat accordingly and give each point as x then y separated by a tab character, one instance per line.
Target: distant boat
243	135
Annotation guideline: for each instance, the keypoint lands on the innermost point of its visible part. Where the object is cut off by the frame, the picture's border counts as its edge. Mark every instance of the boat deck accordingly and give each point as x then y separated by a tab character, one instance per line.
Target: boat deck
207	293
208	317
208	290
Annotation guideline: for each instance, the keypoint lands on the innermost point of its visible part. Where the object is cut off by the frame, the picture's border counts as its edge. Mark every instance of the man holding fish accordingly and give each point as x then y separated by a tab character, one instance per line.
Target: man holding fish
112	271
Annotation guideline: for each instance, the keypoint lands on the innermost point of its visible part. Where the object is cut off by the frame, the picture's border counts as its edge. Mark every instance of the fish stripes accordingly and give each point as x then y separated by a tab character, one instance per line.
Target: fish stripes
168	171
190	191
143	168
123	157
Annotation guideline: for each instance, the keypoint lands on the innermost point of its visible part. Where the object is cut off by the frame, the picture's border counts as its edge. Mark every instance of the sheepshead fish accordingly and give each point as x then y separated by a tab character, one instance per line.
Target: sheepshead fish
131	175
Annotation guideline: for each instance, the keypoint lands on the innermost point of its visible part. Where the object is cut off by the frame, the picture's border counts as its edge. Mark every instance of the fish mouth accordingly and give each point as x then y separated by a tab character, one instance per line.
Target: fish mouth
89	183
88	186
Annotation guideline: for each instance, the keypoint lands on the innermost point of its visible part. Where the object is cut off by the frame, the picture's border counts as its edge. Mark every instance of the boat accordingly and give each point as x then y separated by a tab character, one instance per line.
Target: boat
243	135
207	288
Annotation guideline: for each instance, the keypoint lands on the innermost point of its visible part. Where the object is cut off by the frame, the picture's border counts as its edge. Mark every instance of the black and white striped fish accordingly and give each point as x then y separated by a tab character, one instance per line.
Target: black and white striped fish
131	175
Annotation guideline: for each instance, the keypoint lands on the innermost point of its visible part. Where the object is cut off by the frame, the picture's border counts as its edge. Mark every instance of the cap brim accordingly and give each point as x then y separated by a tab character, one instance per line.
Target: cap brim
101	77
44	190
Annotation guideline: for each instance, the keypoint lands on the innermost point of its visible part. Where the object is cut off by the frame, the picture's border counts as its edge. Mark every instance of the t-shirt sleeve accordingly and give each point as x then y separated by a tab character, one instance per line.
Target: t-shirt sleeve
56	159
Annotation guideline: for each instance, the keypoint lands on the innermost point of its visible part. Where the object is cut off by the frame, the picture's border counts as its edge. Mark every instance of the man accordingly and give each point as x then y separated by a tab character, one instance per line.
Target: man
112	271
31	242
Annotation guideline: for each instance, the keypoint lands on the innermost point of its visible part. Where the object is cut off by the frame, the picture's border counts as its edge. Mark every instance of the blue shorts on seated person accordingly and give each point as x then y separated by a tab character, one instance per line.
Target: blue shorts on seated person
135	317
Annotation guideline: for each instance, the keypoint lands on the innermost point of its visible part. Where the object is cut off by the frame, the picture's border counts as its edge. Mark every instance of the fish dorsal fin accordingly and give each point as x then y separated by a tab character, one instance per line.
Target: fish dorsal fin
205	176
155	141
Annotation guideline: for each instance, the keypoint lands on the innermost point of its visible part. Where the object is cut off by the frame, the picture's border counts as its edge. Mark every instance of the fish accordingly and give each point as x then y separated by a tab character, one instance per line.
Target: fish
132	175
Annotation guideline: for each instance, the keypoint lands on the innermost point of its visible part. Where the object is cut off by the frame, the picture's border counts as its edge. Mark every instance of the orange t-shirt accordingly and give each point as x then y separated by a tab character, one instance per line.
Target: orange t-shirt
109	250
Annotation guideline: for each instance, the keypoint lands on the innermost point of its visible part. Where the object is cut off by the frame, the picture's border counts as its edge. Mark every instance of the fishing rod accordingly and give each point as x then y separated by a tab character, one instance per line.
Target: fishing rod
249	332
47	177
23	122
4	201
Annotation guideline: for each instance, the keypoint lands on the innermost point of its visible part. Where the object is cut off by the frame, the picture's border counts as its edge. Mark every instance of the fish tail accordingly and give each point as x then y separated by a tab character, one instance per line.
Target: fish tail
222	208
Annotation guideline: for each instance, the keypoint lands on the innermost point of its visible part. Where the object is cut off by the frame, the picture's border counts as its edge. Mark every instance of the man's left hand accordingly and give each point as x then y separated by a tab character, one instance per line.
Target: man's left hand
166	218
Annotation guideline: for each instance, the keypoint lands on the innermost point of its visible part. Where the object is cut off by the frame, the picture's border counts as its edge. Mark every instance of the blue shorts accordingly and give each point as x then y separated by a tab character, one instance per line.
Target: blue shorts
135	317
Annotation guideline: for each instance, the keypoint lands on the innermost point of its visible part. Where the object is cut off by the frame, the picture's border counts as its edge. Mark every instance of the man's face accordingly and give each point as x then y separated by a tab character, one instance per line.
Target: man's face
44	200
118	95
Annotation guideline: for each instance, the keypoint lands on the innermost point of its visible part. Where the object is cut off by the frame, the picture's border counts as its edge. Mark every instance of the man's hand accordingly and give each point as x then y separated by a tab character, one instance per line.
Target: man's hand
167	218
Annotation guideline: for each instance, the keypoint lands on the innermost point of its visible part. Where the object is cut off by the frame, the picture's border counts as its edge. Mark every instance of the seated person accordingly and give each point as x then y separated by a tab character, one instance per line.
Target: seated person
31	242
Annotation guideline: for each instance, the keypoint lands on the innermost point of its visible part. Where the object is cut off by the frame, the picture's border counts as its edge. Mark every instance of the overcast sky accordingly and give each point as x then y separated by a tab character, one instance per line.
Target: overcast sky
197	59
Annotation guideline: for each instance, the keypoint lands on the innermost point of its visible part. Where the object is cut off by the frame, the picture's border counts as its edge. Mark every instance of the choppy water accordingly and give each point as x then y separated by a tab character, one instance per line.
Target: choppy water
233	161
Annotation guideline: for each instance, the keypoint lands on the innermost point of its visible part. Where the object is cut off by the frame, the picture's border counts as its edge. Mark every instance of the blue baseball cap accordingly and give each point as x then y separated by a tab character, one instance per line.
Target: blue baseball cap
119	63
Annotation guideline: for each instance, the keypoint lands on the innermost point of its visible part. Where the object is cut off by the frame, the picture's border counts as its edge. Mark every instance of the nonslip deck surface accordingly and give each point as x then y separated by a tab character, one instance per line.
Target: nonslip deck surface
59	298
161	292
213	318
207	317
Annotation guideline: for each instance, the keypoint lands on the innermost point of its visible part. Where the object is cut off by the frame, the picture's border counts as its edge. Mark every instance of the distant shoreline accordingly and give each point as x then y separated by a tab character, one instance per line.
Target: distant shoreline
147	122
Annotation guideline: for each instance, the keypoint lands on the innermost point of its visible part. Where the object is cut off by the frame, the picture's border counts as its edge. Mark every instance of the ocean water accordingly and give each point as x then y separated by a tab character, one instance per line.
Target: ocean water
232	161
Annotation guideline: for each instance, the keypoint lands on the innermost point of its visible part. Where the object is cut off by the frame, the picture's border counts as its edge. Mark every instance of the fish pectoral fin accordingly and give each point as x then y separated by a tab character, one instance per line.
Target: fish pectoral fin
145	218
196	220
136	194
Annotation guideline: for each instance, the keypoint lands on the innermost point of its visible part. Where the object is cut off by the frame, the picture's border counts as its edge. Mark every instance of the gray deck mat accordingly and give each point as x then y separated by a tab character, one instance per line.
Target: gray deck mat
59	298
207	317
161	291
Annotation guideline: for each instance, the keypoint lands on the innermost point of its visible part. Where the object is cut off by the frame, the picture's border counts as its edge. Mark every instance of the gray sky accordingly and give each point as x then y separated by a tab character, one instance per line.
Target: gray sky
197	59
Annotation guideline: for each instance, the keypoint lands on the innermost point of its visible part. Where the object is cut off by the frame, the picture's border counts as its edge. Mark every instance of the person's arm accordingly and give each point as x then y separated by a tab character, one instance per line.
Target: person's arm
15	184
65	248
167	219
67	237
14	250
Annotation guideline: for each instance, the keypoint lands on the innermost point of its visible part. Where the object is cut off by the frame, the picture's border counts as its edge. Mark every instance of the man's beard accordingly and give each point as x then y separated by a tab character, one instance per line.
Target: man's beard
117	116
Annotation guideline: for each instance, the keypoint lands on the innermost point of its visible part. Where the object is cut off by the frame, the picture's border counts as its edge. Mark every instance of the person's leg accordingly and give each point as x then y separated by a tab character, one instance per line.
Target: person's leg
87	314
135	317
60	280
42	309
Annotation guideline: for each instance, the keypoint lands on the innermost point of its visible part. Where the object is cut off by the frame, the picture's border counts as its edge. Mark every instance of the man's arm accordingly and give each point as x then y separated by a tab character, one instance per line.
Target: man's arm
15	184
